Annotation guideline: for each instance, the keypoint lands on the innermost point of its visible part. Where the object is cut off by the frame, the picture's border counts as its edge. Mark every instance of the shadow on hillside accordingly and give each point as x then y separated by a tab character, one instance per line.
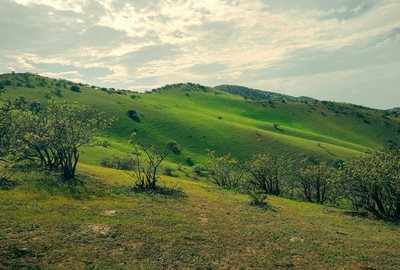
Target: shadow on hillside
167	192
8	184
81	188
265	207
363	215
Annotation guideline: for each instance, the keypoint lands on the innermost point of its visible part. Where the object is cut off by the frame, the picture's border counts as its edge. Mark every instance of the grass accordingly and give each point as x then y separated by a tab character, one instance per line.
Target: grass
226	123
99	225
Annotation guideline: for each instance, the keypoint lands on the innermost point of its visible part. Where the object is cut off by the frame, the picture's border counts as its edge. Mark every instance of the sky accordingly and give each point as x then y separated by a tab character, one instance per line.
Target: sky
339	50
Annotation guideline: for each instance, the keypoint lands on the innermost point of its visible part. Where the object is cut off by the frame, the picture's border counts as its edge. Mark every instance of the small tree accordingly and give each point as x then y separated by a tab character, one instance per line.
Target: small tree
146	172
225	171
37	136
174	146
10	136
267	173
73	126
372	182
316	181
258	196
9	139
54	135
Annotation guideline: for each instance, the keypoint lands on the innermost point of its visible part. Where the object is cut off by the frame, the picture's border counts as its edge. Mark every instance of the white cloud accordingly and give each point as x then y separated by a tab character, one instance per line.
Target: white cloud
242	37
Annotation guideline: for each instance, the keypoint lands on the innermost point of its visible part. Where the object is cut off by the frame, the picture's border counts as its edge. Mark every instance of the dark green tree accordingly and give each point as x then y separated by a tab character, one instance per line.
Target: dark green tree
317	181
225	171
268	173
372	182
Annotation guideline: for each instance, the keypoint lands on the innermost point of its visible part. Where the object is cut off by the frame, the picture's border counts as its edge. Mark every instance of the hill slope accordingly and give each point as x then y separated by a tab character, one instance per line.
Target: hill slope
203	118
99	224
43	224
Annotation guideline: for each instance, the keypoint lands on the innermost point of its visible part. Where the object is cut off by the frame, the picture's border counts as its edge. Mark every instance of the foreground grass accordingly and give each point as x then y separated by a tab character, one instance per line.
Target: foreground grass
98	225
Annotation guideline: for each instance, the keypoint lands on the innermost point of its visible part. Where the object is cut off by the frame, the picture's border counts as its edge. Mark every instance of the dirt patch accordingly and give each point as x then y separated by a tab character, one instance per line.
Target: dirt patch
203	219
109	213
296	239
99	229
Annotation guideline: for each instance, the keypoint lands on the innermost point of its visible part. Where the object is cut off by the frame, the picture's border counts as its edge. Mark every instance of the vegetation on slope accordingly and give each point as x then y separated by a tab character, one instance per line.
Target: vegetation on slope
201	118
98	223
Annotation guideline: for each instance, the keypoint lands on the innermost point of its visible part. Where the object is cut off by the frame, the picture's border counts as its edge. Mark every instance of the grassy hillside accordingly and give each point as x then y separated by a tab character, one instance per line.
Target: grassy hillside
46	225
203	118
99	224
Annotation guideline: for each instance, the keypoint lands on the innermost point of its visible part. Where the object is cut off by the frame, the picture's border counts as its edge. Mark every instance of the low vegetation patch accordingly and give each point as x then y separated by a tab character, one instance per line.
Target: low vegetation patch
172	192
6	183
120	163
132	114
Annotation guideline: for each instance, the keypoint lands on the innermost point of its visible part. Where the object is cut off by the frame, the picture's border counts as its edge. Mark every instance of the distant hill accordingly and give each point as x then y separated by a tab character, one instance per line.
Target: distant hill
250	93
255	94
394	110
234	119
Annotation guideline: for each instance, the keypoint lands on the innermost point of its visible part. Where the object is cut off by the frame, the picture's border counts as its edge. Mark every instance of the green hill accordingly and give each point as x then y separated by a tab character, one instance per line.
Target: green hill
201	118
98	223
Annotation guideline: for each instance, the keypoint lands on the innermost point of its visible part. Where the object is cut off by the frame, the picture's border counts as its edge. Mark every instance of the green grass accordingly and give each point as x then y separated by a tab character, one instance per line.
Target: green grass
228	123
99	225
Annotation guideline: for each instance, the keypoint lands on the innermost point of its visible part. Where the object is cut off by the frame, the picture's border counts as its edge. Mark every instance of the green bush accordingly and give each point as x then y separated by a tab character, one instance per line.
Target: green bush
200	170
174	147
258	198
105	144
120	163
190	161
75	88
372	182
169	171
57	92
132	114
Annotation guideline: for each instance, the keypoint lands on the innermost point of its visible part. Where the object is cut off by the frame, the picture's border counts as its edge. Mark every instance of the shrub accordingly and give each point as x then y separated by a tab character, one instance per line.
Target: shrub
258	198
120	163
190	161
277	127
55	135
75	88
7	83
132	114
6	183
225	171
372	182
57	92
146	173
200	170
168	171
174	147
317	182
105	144
267	173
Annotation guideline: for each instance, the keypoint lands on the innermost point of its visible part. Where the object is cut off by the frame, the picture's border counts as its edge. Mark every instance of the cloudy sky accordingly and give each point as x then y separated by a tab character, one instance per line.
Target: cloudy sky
342	50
